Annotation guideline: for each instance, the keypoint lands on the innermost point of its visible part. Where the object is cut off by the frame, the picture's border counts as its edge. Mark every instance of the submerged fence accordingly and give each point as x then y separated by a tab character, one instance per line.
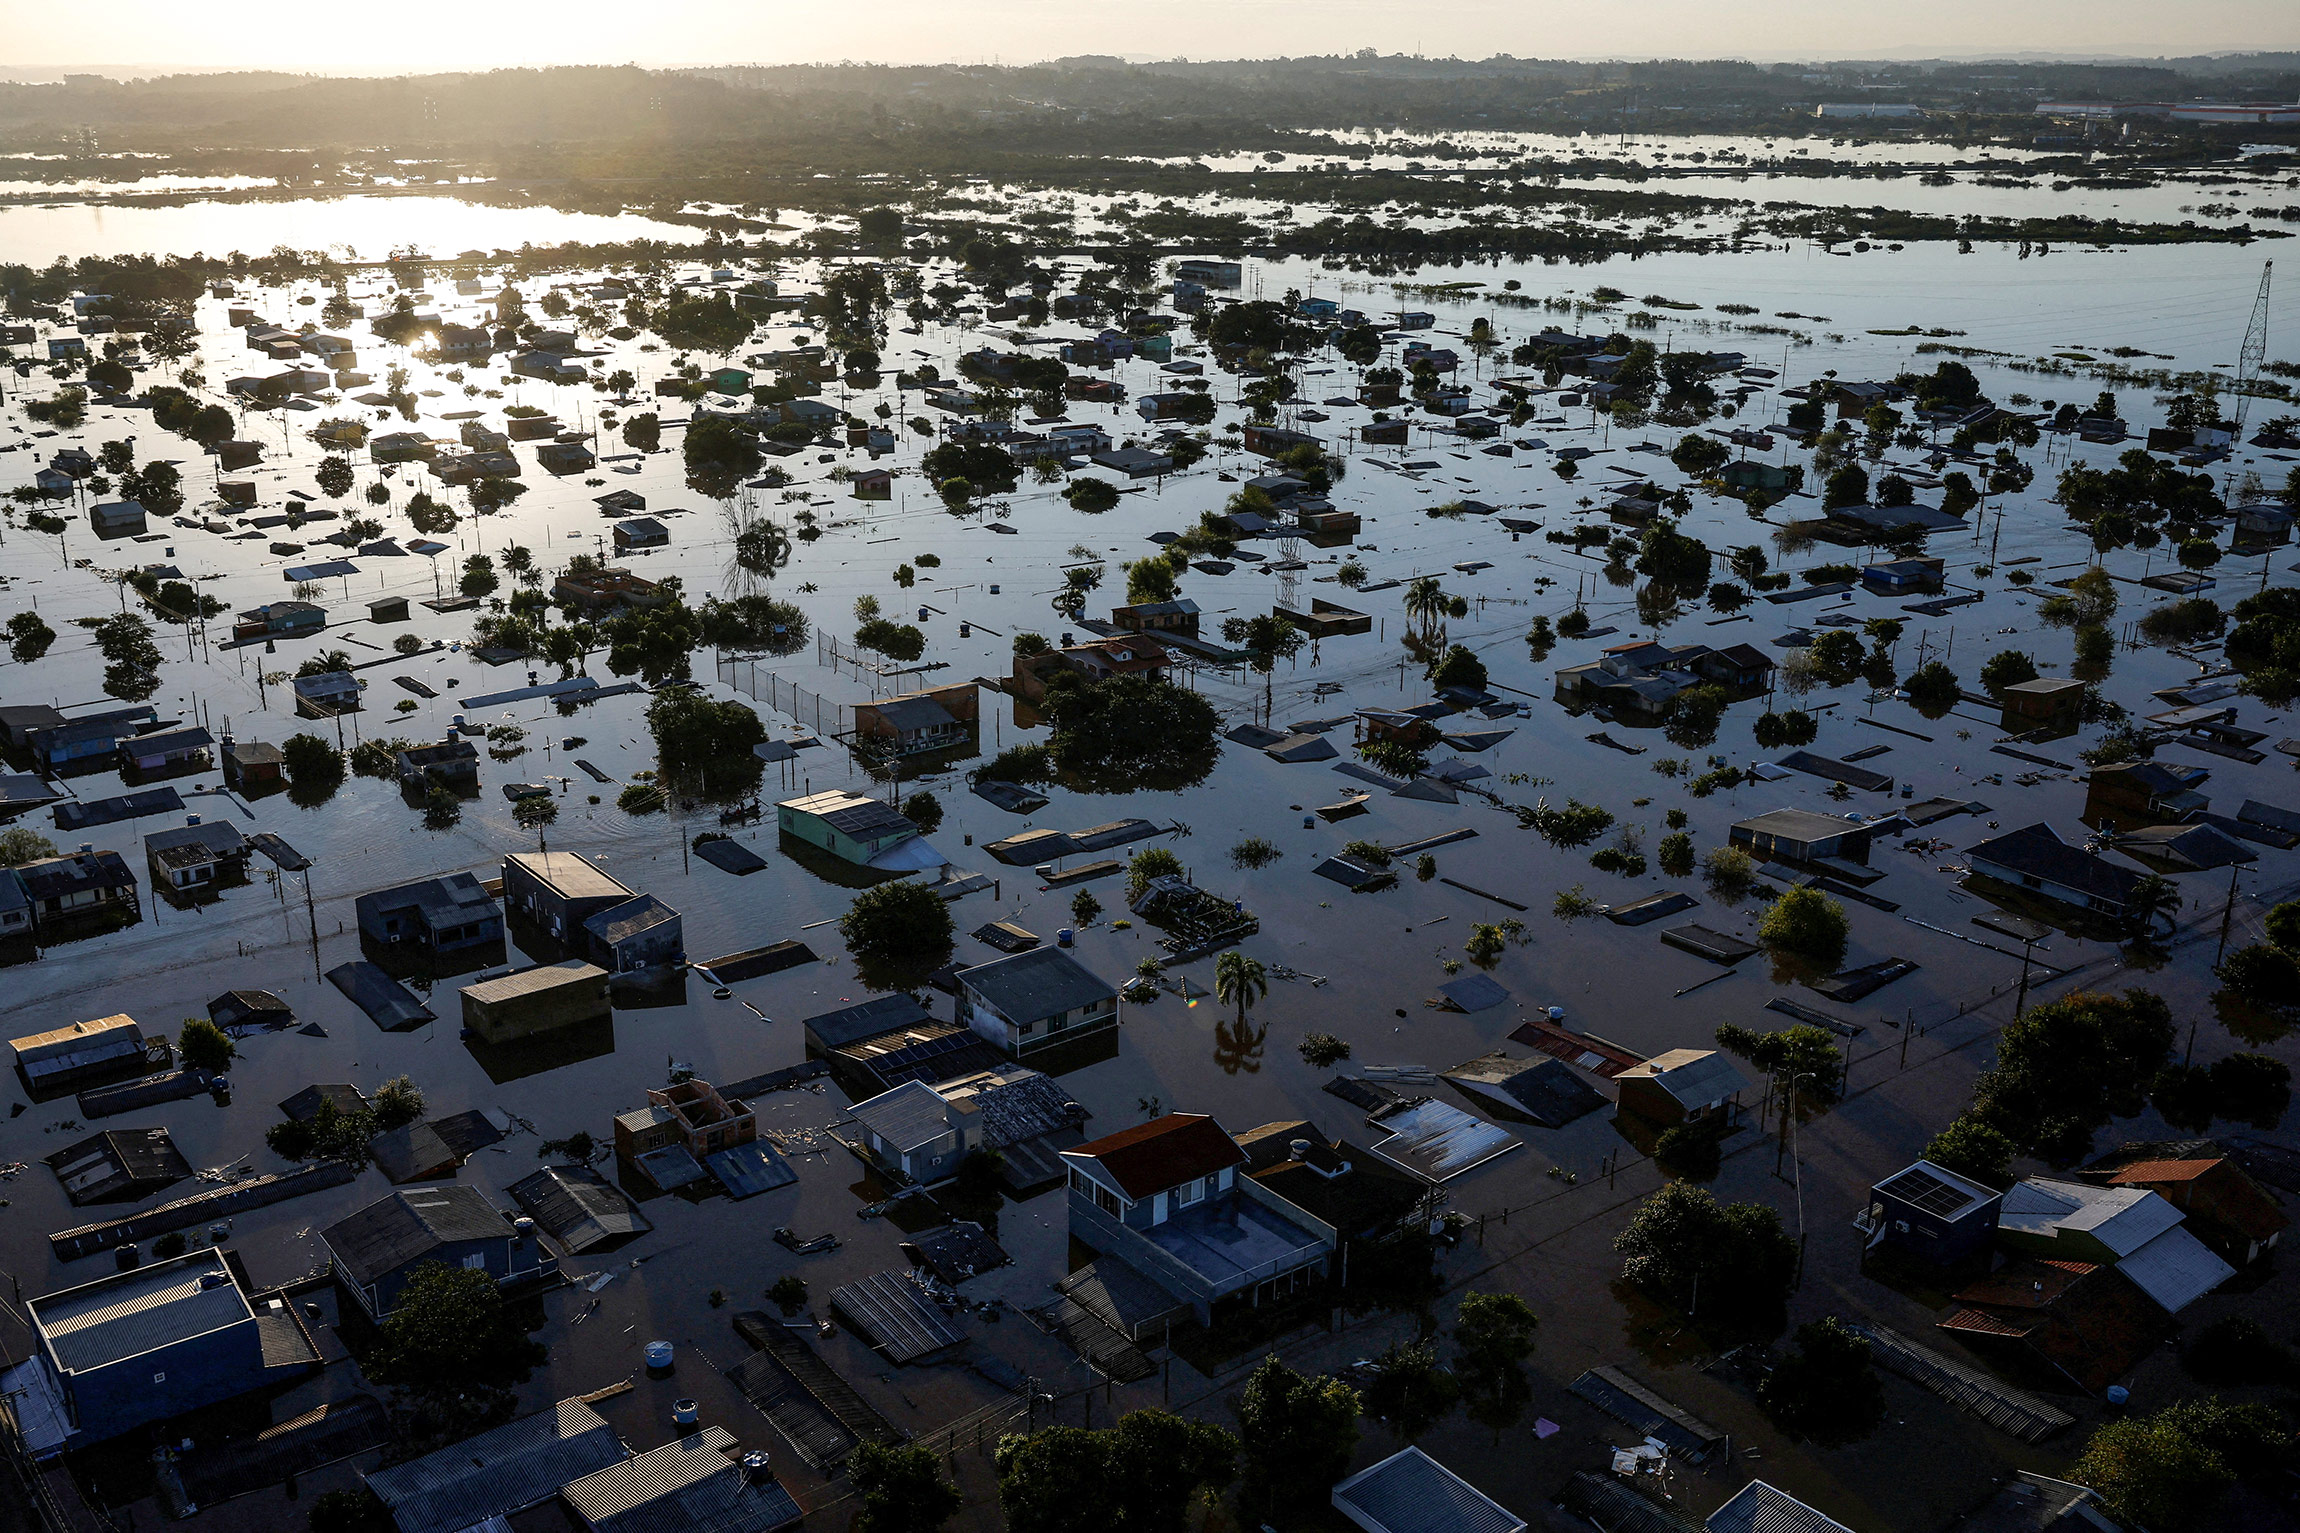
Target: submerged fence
834	720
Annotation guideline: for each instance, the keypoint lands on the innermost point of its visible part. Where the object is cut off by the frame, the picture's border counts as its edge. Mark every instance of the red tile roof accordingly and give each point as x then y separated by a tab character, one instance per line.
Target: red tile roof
1165	1152
2141	1172
2217	1191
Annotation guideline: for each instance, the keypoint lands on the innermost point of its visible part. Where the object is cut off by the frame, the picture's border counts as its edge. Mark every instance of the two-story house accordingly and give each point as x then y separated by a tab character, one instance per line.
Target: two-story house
149	1344
1164	1200
444	915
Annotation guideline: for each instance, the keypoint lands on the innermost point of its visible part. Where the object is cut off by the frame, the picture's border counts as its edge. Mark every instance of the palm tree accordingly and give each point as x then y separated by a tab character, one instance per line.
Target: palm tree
2152	897
1240	979
1426	603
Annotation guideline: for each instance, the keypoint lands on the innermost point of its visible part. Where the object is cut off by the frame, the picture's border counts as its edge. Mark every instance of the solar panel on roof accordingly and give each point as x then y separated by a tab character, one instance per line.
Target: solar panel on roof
1921	1189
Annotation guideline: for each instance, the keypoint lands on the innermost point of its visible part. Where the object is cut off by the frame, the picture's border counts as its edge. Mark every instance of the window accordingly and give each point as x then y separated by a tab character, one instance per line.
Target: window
159	1378
1107	1201
476	1262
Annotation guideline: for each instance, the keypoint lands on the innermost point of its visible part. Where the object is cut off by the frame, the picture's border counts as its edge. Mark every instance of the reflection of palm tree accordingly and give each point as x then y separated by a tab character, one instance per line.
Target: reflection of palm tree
1240	979
1239	1047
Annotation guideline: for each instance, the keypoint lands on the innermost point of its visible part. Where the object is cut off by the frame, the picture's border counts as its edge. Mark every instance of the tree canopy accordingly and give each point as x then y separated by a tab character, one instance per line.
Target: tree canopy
897	932
1724	1263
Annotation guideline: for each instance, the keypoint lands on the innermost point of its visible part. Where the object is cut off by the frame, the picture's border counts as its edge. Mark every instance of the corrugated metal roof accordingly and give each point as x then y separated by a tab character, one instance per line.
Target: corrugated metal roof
630	918
1438	1140
506	1470
646	1477
2175	1269
406	1226
849	813
140	1310
872	1019
577	1208
2121	1218
1410	1492
1759	1508
892	1315
746	1170
104	1031
910	1116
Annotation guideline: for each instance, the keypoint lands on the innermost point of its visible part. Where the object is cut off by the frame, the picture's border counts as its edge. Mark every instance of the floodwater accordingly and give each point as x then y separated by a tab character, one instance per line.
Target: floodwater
357	227
1380	955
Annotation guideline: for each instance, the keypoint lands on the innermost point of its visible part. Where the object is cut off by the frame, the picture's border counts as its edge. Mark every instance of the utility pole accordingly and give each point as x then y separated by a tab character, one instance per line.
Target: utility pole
2227	914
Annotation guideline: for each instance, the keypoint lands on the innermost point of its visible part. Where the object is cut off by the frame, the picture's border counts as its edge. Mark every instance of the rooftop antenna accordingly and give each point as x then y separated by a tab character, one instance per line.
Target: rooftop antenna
2255	352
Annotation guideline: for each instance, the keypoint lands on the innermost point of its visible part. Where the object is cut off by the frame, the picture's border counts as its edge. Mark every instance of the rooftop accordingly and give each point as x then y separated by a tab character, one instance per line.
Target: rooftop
1410	1492
1936	1190
1758	1508
688	1486
408	1226
909	1117
535	981
850	814
1694	1077
1043	982
570	875
141	1310
496	1473
1165	1152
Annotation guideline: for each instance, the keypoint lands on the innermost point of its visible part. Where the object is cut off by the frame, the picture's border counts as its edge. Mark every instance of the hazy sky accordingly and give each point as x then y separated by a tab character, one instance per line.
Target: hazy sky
410	36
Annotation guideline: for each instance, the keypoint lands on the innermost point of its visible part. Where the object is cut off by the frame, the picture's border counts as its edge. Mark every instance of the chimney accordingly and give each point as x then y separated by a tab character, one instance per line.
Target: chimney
1298	1148
758	1468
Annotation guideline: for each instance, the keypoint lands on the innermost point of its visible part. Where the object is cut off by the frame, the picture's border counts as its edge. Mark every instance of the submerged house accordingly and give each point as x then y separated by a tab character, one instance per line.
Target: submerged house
1165	1202
913	723
2127	793
376	1251
1803	835
1931	1213
443	915
197	854
2035	859
1029	1001
450	763
1362	1196
327	694
144	1346
2128	1228
924	1132
1681	1086
86	882
179	748
559	891
692	1115
853	828
641	933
